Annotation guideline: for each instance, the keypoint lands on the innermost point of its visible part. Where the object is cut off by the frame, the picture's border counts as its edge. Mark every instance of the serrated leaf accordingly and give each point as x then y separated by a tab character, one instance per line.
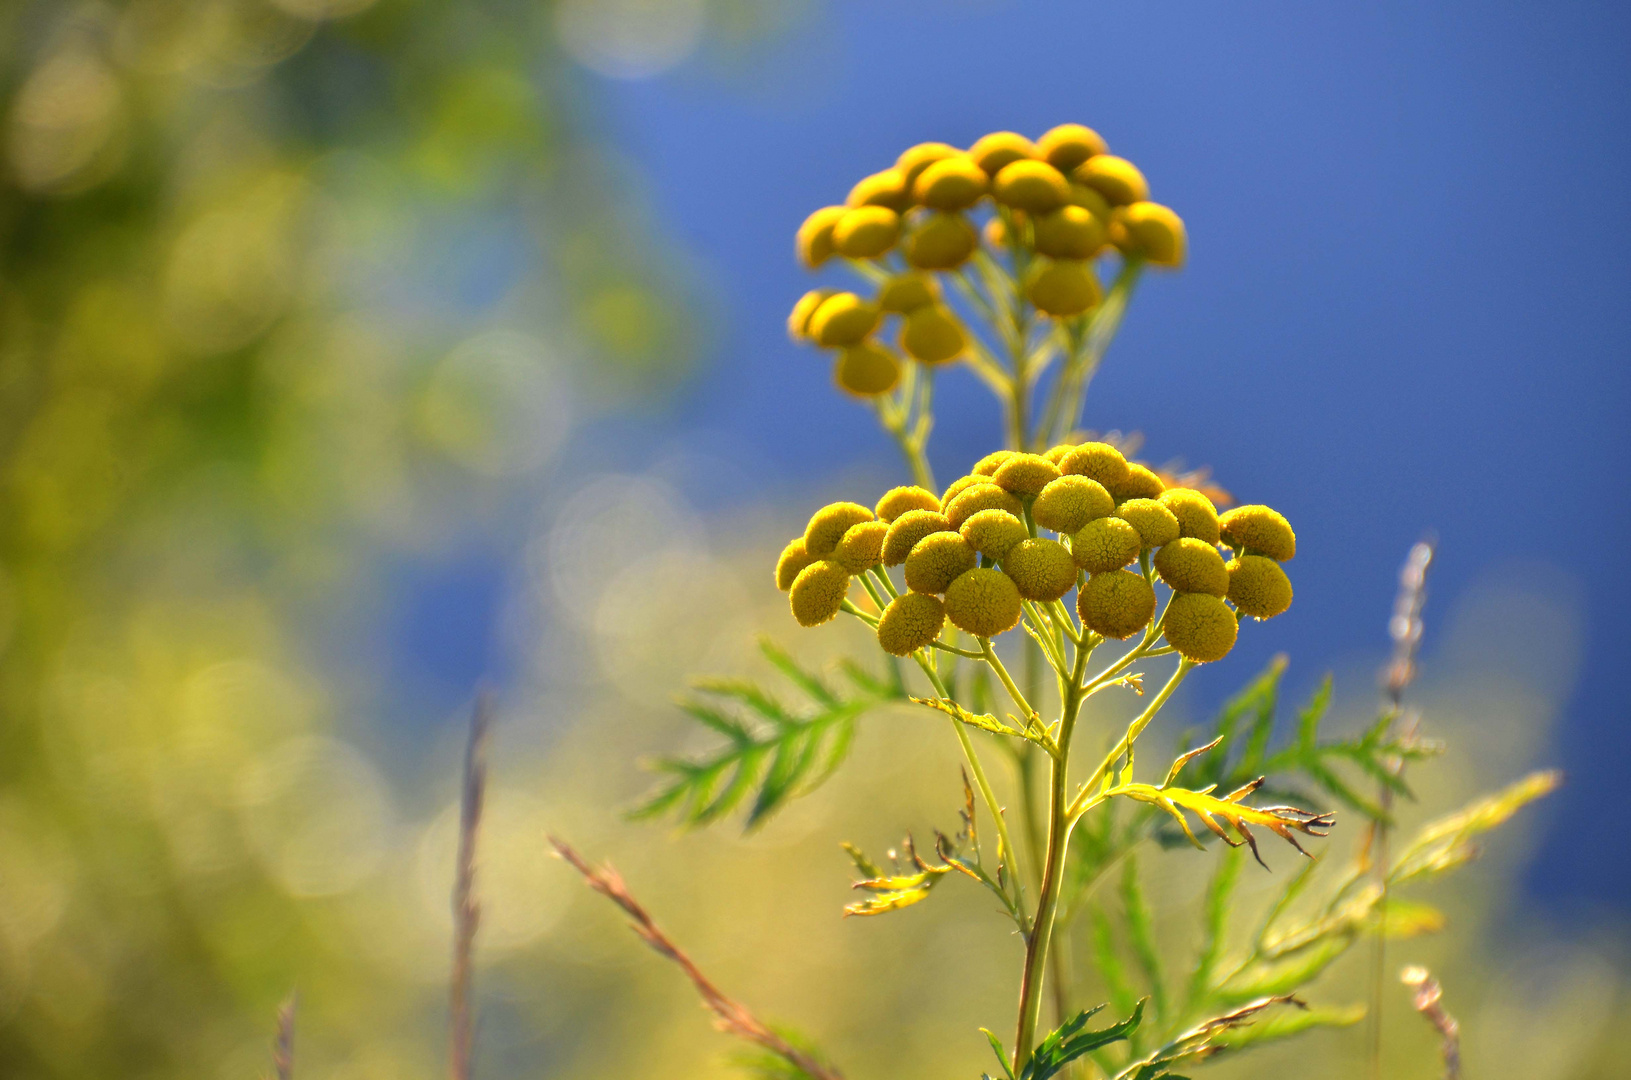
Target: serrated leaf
1071	1040
1448	842
1283	821
1031	731
1281	976
1283	1025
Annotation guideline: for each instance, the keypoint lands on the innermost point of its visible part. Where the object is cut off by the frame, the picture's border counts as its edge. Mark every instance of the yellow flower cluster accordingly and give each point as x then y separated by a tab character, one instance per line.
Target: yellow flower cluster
1064	199
975	553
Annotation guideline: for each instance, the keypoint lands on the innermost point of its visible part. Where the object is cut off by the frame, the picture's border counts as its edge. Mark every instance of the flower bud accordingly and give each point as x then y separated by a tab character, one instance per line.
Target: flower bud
1140	483
983	602
961	484
1097	461
798	322
1259	530
1069	233
906	530
1062	287
818	592
1033	186
1117	603
1042	569
866	232
1200	626
933	335
1117	179
980	497
1258	586
814	243
907	292
1068	145
866	370
1105	544
862	546
887	188
989	464
896	501
843	319
993	532
1190	565
829	524
936	561
915	159
1025	475
950	185
1154	522
1000	148
910	622
1070	502
941	242
1153	231
1196	515
793	559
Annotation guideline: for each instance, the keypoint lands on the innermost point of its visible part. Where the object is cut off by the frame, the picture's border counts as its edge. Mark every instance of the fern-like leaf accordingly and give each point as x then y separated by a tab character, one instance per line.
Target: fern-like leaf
771	753
1071	1040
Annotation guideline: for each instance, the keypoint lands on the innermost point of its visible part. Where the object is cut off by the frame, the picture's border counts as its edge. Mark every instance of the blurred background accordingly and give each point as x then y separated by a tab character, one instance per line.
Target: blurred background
355	351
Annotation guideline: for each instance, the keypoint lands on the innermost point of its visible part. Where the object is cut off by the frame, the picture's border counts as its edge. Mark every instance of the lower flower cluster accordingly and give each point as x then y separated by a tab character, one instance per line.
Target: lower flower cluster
974	555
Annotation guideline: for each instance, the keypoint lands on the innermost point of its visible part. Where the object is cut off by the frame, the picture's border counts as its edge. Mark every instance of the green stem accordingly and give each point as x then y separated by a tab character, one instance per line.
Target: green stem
1085	800
1007	680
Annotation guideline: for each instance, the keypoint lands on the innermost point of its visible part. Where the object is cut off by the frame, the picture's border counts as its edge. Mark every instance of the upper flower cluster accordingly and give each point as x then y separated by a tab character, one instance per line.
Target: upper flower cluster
976	553
1061	201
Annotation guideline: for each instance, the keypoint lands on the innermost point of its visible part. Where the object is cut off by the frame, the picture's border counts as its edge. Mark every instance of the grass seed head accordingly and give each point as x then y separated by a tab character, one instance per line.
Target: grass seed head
1200	626
911	621
983	602
1258	586
1116	603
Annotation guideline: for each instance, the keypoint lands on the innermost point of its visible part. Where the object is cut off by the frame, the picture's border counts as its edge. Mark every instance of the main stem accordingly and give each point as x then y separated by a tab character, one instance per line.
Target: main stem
1047	901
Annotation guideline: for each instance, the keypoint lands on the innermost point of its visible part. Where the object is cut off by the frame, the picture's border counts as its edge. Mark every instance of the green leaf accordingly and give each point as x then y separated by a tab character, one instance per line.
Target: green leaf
1108	961
1071	1040
1141	933
1267	978
1448	842
996	1048
1215	923
772	752
910	884
1283	1025
1031	731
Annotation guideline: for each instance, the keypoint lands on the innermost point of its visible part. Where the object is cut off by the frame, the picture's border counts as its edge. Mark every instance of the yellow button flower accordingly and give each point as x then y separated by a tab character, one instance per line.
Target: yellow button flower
817	594
1117	603
792	560
1117	179
915	159
886	188
896	501
993	532
866	232
1155	232
983	602
829	524
933	335
1190	565
814	243
1154	522
979	497
1196	515
953	184
1033	186
1062	287
1069	233
1097	461
1140	483
941	242
1259	530
907	292
910	622
798	321
1258	586
906	530
1025	475
1200	626
936	561
1070	502
1105	544
1068	145
861	547
1042	569
866	370
998	149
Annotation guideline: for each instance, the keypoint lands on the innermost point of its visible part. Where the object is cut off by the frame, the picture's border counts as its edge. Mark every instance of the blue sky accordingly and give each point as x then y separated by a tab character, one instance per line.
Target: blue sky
1406	307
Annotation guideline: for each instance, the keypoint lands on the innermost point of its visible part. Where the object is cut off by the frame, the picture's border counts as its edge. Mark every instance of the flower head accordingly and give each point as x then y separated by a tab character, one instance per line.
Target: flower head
1200	626
911	621
1116	603
983	602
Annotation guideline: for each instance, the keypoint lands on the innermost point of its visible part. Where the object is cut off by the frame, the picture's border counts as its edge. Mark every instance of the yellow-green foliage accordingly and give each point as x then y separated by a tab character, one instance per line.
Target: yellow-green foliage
992	532
937	560
828	525
1190	565
907	529
911	621
1042	569
1067	503
896	501
983	602
1258	586
1116	603
1259	530
1200	626
818	592
1154	522
1106	543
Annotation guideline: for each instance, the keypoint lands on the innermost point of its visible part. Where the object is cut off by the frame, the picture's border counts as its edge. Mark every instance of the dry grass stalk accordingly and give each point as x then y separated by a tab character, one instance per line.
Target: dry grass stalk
731	1017
283	1042
466	906
1427	1000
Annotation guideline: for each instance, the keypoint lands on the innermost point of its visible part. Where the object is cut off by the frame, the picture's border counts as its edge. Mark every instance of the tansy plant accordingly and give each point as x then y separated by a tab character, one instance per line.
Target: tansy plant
994	260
